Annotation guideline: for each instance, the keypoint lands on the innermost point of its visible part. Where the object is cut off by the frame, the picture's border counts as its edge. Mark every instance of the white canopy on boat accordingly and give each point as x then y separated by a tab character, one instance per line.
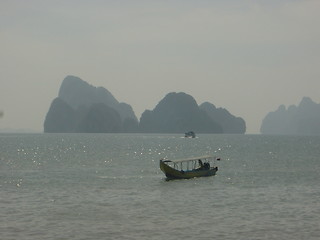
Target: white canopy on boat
208	157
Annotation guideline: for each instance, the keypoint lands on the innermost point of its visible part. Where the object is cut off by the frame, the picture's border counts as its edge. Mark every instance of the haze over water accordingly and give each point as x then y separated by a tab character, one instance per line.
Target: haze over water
109	186
246	56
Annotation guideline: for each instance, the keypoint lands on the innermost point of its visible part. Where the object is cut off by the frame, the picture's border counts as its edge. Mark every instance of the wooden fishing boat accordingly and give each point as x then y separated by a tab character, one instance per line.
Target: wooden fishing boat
203	166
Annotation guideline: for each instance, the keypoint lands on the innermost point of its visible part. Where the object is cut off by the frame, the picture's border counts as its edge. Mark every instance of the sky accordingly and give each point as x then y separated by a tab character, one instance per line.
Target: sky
246	56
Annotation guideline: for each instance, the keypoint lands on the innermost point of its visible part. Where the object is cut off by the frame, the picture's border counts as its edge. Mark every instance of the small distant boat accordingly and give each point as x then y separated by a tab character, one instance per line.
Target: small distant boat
189	168
190	134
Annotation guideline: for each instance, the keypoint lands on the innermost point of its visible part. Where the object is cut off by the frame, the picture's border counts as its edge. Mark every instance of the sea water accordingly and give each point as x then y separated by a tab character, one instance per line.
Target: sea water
109	186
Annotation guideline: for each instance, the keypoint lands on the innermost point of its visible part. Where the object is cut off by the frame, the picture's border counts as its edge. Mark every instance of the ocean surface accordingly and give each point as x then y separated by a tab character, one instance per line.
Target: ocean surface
109	186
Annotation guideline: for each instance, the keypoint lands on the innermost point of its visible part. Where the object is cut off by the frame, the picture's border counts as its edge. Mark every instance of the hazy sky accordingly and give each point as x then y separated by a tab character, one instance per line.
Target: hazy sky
246	56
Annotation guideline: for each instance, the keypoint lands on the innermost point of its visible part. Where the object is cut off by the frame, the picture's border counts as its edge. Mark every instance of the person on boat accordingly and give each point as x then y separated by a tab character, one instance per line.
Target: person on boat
206	165
200	163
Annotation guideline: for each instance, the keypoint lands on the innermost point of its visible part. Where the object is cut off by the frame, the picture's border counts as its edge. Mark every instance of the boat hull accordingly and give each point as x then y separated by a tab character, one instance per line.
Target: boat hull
172	173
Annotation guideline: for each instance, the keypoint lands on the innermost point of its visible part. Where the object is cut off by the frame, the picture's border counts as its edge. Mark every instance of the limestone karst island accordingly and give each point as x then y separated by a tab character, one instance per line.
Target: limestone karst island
83	108
303	119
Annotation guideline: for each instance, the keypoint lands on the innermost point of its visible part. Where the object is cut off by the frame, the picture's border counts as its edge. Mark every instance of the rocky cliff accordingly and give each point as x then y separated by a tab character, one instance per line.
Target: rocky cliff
60	118
178	113
81	107
303	119
228	122
78	93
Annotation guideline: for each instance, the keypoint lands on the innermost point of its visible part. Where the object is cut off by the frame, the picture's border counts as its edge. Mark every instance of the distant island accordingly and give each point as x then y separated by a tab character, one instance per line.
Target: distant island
83	108
179	112
303	119
228	122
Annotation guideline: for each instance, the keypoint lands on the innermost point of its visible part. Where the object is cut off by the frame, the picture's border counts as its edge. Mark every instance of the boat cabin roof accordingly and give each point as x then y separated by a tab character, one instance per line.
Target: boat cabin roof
189	159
